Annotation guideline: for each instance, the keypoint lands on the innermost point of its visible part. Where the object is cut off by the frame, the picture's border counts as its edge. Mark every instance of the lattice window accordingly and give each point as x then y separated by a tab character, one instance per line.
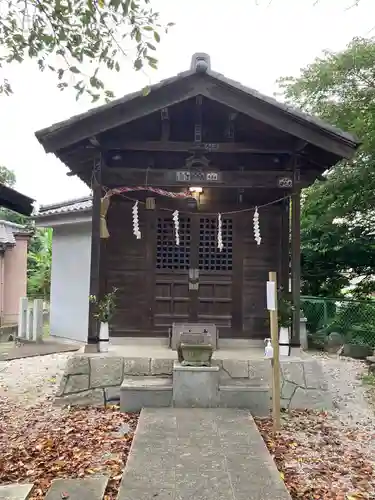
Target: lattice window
168	254
210	257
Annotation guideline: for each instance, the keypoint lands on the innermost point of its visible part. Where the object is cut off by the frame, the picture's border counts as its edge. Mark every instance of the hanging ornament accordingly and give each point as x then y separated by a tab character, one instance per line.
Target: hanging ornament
176	224
257	237
136	231
220	245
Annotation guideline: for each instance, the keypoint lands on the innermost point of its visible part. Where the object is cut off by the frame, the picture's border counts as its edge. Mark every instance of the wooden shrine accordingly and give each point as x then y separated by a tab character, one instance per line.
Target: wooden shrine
233	150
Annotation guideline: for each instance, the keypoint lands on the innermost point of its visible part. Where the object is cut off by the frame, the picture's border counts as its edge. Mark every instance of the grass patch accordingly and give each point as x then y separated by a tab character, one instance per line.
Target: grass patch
368	379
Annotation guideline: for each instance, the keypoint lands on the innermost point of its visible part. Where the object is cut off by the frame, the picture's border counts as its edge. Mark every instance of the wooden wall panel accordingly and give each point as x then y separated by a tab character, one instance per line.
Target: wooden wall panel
127	268
258	261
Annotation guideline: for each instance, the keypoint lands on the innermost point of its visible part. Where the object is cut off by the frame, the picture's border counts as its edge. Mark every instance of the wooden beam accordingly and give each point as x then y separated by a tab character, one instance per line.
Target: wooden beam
97	273
171	178
198	126
187	147
230	130
165	125
284	246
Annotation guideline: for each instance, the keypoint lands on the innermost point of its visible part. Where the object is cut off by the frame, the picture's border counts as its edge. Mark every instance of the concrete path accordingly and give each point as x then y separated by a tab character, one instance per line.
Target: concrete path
200	454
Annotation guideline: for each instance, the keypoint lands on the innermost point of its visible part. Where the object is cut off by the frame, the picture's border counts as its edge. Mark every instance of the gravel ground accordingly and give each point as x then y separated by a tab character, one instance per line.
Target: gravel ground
31	380
349	393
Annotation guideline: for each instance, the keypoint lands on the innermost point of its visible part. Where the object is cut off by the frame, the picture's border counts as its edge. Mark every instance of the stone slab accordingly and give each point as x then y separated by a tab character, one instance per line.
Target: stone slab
236	368
93	397
90	488
77	365
112	394
255	399
142	392
195	386
161	366
137	366
200	454
15	491
313	399
76	383
106	371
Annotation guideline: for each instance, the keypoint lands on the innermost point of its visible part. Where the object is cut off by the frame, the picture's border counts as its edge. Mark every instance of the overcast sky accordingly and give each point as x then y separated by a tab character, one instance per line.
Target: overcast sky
253	41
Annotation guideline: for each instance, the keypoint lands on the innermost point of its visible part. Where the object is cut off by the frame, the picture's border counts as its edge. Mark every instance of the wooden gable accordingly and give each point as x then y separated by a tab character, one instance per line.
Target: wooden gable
71	139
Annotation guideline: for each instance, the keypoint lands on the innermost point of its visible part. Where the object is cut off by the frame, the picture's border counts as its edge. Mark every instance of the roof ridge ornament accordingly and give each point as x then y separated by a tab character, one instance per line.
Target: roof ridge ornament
200	62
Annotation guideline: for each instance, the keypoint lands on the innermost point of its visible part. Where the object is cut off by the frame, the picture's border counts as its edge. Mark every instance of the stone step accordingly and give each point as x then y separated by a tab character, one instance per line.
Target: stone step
88	488
142	392
194	453
16	491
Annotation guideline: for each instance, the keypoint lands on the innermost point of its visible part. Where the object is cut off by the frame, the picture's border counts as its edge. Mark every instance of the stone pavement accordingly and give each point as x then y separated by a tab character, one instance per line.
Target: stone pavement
9	351
200	454
15	491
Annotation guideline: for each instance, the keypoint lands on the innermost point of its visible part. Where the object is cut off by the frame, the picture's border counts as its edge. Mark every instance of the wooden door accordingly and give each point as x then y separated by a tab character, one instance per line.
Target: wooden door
215	273
193	281
172	294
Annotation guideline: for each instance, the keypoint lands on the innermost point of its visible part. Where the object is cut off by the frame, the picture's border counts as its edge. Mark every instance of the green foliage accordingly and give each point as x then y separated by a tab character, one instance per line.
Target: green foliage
337	216
39	261
105	307
7	177
285	310
68	37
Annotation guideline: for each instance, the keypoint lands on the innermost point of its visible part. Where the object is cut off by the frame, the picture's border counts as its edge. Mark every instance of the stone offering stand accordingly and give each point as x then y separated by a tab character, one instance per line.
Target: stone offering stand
100	379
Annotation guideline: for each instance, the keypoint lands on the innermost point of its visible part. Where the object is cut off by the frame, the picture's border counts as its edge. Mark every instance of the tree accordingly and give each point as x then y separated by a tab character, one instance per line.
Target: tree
337	234
79	38
39	264
7	177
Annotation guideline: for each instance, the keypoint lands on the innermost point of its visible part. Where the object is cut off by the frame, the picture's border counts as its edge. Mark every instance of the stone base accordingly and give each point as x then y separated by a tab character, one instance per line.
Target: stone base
255	399
95	379
195	386
145	392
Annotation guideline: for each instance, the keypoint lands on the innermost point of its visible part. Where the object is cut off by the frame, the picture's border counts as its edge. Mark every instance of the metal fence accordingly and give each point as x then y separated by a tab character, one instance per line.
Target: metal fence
353	319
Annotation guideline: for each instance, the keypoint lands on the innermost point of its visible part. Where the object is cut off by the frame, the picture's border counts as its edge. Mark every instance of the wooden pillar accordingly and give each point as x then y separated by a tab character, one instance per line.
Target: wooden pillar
285	246
296	265
97	273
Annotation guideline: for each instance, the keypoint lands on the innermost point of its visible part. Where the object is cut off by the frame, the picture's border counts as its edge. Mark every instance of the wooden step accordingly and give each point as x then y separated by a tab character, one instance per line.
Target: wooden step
88	488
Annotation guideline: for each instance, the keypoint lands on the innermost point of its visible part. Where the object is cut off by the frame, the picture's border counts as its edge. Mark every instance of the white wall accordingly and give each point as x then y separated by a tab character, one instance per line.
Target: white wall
70	281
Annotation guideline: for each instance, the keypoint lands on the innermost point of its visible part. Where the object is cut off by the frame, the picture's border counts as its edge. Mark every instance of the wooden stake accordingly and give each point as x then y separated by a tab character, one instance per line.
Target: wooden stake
276	358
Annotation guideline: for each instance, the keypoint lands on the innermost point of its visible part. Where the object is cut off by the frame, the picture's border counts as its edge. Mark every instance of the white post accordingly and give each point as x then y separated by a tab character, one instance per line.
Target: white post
303	333
37	332
29	330
22	317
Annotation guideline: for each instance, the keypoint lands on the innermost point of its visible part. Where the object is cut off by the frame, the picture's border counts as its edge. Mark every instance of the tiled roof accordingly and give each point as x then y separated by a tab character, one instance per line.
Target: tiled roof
65	207
43	134
8	230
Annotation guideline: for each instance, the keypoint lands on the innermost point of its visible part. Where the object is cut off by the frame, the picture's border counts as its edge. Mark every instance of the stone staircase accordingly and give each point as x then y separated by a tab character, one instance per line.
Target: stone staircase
195	387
